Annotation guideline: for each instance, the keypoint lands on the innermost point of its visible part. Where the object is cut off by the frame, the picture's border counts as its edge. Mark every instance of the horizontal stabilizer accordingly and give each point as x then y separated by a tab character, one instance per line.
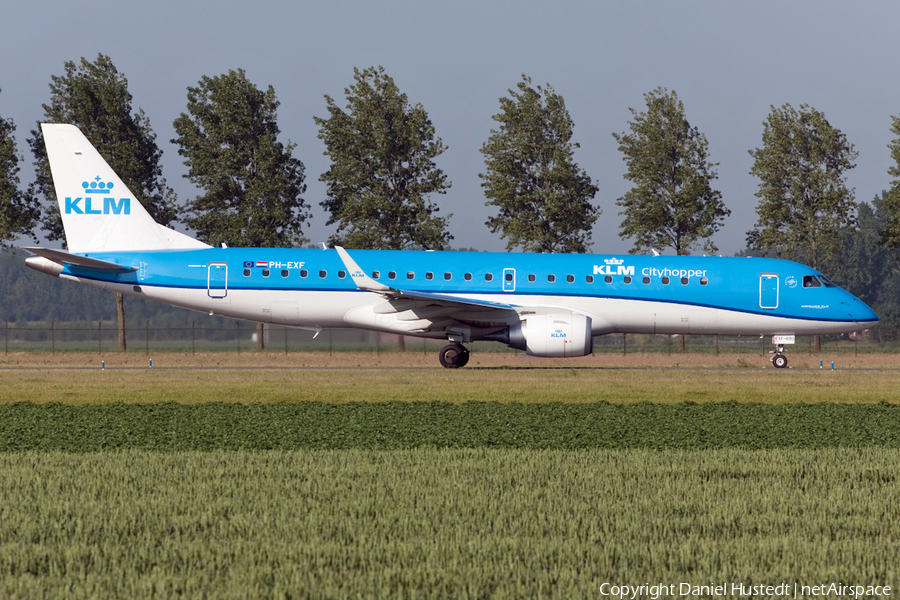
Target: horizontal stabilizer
65	258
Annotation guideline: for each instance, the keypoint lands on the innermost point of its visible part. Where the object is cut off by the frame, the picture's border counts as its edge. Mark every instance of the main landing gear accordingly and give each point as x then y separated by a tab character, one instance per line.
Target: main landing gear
778	358
453	356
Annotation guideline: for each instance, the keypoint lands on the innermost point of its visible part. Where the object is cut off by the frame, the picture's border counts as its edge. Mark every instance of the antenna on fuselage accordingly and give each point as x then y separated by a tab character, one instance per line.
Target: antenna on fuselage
653	250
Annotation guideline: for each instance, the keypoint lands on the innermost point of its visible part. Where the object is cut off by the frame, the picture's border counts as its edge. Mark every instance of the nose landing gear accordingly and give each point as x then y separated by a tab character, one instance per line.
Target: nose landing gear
779	360
453	356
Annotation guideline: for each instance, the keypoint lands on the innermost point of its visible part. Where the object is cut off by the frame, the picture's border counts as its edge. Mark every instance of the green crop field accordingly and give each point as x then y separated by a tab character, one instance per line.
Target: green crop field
504	481
431	523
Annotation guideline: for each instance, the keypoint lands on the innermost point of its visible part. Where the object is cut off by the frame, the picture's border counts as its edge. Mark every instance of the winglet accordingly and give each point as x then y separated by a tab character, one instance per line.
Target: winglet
363	281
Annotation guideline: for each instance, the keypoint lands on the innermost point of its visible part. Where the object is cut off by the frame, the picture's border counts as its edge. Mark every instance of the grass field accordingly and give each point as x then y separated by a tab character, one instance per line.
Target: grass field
300	378
233	477
441	523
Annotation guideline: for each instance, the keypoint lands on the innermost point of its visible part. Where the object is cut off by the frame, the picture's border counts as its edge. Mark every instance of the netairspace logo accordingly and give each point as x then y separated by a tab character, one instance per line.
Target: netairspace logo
111	206
743	590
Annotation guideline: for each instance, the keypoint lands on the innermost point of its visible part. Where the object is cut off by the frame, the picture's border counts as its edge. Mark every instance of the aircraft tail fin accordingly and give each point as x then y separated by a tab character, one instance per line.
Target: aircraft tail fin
99	212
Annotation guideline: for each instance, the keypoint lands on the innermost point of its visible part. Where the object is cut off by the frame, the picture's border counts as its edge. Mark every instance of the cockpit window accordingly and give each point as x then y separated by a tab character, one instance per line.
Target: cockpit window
810	281
827	282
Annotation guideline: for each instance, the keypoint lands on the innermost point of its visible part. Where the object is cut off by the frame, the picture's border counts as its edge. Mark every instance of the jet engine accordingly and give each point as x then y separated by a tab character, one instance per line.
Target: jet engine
553	336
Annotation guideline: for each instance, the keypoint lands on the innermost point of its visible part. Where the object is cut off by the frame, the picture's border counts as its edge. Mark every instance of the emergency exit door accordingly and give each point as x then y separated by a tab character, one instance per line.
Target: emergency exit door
509	280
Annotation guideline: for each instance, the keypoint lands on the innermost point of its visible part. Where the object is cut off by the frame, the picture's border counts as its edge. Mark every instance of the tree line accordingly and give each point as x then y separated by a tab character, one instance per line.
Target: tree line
384	176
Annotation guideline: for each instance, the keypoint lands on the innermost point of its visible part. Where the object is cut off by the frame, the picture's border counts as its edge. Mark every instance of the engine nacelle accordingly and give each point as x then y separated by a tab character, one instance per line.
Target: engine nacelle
552	336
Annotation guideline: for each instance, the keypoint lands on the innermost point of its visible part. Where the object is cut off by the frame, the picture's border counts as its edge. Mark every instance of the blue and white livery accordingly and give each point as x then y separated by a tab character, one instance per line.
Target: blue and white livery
550	305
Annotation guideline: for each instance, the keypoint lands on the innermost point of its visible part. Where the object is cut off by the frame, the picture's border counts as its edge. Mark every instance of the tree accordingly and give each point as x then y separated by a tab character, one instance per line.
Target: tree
672	202
861	266
804	201
19	212
543	197
252	183
94	96
382	172
890	235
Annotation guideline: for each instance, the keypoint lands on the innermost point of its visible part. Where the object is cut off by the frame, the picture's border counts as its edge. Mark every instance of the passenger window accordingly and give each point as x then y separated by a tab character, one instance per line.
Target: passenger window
684	281
376	274
429	275
392	275
531	277
627	279
704	281
646	280
809	281
323	273
468	277
284	272
665	280
508	276
447	276
410	275
570	278
265	272
608	279
488	276
342	274
246	272
589	279
304	273
551	278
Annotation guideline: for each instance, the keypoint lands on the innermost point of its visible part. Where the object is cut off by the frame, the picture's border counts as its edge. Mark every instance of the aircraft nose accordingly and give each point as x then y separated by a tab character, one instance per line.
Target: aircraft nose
862	313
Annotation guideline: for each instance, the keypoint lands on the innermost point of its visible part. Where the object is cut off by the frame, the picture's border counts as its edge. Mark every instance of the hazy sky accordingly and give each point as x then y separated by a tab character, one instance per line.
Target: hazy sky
727	61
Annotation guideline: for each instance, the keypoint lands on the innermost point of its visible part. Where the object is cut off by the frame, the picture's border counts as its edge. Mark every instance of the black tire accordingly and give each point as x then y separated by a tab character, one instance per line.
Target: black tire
780	361
464	357
451	356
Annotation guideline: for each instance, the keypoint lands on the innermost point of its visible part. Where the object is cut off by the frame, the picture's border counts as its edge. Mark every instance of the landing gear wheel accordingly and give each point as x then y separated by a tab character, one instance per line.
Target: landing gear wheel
464	357
780	361
453	356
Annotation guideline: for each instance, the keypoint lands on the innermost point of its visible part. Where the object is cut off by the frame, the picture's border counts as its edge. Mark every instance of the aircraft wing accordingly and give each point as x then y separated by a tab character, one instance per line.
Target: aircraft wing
364	282
65	258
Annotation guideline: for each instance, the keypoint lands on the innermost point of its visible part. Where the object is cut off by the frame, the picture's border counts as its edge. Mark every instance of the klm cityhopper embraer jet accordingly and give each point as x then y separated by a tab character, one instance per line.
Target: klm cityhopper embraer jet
549	305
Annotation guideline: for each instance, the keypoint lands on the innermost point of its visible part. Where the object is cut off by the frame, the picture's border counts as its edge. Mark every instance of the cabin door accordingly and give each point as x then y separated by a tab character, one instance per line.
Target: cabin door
217	280
768	290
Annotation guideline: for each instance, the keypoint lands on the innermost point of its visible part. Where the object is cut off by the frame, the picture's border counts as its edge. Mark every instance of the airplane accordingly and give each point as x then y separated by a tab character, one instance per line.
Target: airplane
549	305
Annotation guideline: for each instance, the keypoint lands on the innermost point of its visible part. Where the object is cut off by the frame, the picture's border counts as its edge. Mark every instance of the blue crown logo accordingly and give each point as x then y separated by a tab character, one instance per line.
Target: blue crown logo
97	186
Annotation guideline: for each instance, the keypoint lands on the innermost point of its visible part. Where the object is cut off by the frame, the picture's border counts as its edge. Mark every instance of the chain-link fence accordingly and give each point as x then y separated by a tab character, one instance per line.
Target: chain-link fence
240	336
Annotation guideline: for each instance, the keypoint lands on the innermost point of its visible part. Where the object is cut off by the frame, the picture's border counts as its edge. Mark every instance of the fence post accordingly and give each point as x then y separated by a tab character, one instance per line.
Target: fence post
99	338
147	338
52	337
239	337
717	344
284	329
624	346
6	336
330	342
193	337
